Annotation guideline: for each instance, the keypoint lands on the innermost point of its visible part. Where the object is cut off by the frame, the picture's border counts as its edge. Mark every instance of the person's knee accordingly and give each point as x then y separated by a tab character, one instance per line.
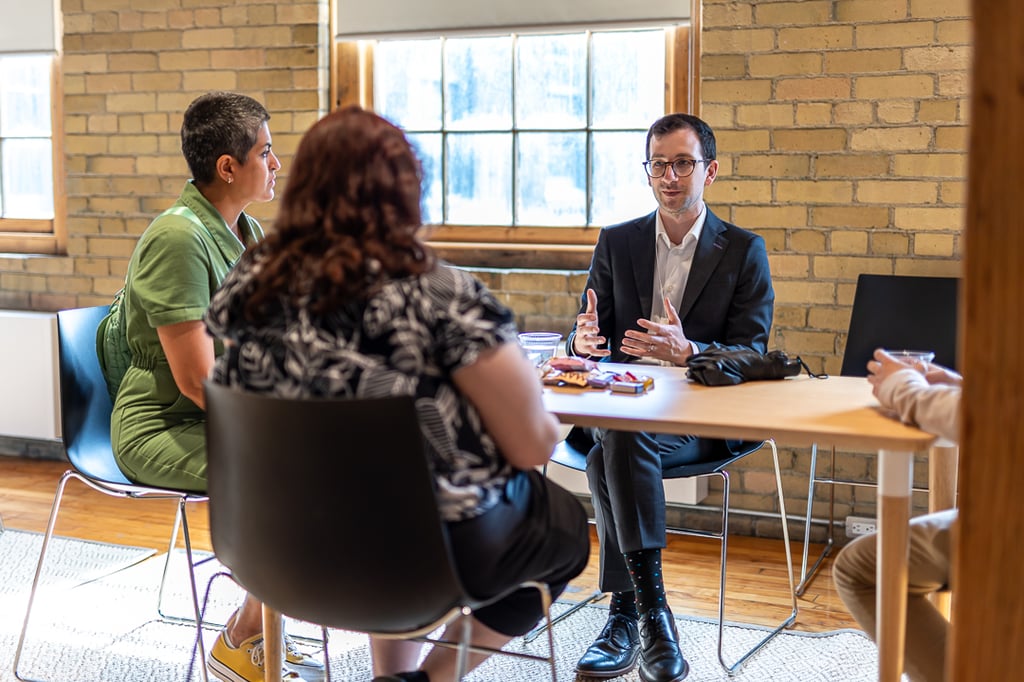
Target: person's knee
615	442
854	567
595	469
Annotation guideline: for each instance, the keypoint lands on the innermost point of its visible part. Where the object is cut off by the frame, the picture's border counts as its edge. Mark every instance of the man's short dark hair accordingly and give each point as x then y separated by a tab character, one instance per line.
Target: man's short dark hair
672	122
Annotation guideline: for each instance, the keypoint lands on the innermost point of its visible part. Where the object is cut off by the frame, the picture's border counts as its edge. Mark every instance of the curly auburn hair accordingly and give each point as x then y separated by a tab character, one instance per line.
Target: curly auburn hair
349	217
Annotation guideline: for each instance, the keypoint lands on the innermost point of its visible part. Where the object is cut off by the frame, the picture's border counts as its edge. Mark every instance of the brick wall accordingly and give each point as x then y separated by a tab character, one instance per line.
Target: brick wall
130	68
842	139
842	129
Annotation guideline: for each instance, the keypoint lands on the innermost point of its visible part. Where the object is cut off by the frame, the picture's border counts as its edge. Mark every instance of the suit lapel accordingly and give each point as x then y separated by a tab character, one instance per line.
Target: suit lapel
710	248
641	246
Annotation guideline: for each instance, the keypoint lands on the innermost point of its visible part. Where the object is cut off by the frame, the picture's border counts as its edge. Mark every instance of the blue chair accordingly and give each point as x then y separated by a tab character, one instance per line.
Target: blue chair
716	463
85	431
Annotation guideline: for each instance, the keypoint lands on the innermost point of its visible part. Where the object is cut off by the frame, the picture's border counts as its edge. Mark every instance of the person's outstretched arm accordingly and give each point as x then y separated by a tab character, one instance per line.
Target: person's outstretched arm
503	387
933	407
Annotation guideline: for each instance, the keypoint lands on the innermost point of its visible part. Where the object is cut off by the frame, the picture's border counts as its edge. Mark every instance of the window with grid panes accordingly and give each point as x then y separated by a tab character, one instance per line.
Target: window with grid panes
27	198
532	139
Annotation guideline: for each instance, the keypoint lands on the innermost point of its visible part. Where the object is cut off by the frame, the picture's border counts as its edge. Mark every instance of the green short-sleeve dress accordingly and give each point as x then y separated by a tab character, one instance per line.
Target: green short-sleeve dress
158	434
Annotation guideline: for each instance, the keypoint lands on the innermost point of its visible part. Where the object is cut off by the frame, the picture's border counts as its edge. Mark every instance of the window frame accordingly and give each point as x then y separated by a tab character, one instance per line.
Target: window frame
44	236
520	246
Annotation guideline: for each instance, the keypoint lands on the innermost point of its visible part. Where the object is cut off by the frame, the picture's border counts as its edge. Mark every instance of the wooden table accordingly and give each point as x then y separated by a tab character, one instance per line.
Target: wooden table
836	411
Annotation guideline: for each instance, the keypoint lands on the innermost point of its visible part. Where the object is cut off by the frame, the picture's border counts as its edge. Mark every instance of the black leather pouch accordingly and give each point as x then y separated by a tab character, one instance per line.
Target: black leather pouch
719	366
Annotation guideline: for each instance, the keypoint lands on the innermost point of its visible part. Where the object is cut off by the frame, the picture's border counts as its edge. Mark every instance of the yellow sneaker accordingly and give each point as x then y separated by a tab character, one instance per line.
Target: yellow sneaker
308	668
243	663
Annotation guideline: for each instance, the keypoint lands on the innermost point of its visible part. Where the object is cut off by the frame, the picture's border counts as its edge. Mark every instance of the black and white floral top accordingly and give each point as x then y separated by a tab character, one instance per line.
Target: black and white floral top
407	339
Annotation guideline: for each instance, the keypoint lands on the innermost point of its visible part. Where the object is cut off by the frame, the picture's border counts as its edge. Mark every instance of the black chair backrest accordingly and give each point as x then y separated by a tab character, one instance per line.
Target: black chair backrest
902	312
325	509
84	402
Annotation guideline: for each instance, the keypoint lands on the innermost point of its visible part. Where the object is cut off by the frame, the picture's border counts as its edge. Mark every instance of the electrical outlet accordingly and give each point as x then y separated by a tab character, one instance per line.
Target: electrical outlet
860	525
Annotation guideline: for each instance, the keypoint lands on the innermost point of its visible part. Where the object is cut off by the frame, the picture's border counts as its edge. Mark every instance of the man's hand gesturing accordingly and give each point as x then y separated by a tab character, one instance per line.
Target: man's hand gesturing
588	340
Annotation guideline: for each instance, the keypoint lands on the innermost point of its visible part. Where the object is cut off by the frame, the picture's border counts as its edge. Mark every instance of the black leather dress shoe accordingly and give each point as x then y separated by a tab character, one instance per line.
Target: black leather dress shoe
660	657
615	650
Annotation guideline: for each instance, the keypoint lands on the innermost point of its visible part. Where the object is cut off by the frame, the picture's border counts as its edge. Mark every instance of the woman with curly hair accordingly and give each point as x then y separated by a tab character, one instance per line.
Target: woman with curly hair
344	300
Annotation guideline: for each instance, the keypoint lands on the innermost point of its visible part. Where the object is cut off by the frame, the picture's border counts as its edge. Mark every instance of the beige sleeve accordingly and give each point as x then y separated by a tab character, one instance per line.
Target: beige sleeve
934	408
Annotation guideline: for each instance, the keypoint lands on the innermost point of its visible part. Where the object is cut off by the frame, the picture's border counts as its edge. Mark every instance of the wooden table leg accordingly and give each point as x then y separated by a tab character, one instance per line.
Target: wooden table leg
943	464
272	645
894	484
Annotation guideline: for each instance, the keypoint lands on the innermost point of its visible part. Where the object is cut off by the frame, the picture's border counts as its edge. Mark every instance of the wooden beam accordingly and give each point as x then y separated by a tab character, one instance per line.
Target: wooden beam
988	602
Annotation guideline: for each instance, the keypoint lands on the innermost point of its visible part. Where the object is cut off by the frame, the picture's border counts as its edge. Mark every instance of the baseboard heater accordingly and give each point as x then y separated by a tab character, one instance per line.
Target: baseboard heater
29	405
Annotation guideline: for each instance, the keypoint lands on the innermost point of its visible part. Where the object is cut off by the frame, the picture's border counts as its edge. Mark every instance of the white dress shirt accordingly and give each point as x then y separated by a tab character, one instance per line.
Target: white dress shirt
672	264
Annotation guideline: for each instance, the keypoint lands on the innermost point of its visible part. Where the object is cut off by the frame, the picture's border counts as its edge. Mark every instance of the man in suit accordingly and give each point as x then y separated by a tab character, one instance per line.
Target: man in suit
660	288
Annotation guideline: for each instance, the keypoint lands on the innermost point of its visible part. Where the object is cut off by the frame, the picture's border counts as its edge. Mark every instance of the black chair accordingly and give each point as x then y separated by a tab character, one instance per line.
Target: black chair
716	464
893	312
85	432
354	474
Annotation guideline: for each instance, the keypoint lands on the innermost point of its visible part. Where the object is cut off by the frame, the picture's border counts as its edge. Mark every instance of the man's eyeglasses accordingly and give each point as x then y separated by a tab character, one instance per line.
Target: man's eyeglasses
681	167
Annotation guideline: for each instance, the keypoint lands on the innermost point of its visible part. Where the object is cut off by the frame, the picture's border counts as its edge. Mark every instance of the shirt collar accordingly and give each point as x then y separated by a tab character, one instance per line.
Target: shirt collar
227	243
661	236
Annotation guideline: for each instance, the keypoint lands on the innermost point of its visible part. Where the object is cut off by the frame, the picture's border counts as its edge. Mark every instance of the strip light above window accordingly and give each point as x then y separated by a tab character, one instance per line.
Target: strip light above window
357	19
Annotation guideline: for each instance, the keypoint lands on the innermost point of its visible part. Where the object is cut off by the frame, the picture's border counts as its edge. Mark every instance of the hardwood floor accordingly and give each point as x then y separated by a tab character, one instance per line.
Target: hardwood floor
756	587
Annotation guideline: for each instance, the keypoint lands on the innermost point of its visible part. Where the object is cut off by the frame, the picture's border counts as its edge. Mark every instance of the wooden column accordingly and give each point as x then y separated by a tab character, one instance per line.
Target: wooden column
988	599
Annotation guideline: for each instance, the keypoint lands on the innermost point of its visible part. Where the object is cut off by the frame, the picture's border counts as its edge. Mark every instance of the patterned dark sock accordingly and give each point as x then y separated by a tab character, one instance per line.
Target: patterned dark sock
623	603
645	570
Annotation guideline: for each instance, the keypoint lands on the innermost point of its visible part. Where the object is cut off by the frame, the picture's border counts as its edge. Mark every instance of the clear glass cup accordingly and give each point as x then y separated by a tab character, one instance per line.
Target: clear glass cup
539	346
916	358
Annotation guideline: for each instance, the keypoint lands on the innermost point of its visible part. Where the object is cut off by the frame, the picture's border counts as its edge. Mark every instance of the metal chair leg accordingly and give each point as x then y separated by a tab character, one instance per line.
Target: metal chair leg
734	668
465	641
595	596
181	522
195	595
179	519
545	602
327	656
51	522
807	576
202	614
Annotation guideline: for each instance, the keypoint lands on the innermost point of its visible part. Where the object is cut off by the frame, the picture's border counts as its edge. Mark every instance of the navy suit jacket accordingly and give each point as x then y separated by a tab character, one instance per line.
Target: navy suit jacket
728	297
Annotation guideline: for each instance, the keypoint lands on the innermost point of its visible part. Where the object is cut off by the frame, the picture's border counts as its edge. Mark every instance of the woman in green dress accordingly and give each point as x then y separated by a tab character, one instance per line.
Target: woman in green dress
158	422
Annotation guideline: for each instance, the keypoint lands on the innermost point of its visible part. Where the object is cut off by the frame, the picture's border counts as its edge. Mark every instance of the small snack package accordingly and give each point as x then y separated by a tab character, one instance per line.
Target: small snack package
631	383
571	364
585	373
601	380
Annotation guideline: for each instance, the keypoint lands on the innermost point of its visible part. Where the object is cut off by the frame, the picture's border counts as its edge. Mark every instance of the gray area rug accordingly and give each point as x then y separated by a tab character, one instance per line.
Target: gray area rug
69	562
108	629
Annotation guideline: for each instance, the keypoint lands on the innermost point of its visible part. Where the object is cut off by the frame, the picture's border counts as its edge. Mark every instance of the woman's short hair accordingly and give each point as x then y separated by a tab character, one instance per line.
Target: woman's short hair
219	123
349	217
